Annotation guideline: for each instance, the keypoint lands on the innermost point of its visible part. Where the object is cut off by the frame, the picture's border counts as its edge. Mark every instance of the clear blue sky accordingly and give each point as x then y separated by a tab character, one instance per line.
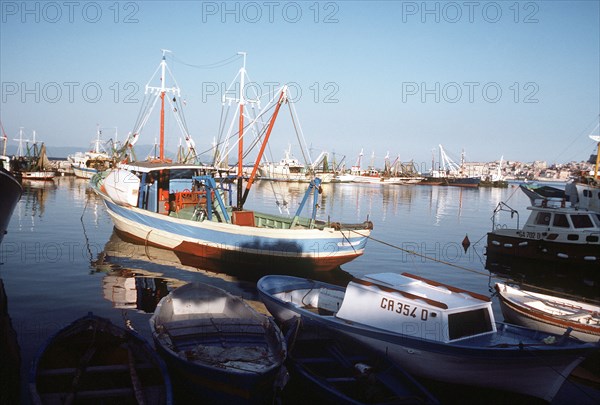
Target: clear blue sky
518	79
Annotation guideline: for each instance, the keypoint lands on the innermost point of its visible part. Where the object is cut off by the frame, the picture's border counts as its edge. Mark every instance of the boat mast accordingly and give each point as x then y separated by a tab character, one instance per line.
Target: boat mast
240	175
163	66
20	148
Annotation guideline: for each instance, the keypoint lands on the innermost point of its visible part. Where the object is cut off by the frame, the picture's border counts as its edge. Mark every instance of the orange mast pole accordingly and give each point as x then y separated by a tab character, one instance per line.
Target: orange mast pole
263	146
162	127
240	158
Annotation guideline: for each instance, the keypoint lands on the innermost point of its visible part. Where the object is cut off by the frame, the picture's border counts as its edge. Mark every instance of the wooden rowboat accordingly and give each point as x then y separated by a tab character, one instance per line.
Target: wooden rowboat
93	361
549	313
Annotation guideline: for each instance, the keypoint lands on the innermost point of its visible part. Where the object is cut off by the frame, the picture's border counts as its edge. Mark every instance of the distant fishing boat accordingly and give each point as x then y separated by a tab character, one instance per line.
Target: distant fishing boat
35	165
432	329
287	169
291	169
86	164
450	173
549	313
92	361
189	208
217	345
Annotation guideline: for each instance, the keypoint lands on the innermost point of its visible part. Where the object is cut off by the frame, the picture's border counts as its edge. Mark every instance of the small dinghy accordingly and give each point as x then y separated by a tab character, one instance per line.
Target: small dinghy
92	361
218	345
549	313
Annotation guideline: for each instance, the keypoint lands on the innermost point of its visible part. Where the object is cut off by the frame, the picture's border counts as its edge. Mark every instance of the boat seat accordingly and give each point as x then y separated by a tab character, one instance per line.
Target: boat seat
213	326
94	369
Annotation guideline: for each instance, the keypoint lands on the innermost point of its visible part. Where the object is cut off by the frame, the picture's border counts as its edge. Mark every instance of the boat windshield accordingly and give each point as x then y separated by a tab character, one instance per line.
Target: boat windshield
469	323
582	221
596	219
560	220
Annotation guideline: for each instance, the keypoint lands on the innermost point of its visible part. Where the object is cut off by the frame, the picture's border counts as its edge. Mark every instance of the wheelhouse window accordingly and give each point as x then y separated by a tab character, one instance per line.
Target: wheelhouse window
469	323
582	221
596	219
542	218
560	220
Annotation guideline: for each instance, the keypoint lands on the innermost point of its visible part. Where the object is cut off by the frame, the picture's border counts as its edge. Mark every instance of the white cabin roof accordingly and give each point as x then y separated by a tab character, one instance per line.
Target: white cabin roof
145	167
433	293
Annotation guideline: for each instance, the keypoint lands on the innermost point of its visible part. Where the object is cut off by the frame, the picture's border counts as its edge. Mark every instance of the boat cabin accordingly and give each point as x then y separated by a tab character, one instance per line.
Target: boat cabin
551	220
418	307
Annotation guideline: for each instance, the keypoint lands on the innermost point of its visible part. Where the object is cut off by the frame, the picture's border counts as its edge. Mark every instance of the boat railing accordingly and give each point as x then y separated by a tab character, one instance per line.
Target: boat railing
503	207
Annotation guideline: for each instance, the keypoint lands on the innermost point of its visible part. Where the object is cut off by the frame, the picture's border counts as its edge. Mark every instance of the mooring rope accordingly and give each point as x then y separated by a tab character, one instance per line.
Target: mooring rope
489	274
412	252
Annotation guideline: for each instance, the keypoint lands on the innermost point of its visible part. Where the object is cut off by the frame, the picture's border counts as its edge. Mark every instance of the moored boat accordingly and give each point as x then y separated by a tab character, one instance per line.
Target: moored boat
217	345
450	173
190	208
434	330
549	313
588	187
556	231
86	164
92	360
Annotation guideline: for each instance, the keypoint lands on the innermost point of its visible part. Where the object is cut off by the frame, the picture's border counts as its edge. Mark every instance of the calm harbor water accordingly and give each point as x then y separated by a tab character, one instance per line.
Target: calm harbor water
61	257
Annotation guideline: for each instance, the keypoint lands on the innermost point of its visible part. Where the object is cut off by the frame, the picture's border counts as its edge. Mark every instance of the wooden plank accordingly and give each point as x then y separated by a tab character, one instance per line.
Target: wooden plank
94	369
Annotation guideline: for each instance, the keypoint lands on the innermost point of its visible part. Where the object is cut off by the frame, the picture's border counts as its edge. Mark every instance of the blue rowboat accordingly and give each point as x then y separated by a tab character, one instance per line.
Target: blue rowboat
217	346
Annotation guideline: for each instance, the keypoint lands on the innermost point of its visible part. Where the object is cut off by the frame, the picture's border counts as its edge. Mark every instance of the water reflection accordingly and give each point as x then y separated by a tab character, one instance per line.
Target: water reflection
134	288
121	250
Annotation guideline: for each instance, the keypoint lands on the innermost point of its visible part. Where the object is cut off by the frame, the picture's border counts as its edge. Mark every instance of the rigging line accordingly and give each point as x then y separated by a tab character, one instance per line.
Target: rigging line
214	65
576	137
299	139
513	193
489	274
412	252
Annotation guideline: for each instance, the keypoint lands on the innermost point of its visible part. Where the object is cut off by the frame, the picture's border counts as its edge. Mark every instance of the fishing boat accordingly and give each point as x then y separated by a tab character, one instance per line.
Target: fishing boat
549	313
217	345
34	165
344	372
450	173
86	164
288	168
92	360
39	167
432	329
190	208
556	231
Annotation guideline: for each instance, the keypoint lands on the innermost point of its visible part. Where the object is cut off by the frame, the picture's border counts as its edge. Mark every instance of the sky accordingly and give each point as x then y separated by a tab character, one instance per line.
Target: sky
517	79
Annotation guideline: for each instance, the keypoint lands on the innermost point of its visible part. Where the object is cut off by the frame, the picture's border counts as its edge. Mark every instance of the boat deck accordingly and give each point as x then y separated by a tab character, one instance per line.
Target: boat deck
240	343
